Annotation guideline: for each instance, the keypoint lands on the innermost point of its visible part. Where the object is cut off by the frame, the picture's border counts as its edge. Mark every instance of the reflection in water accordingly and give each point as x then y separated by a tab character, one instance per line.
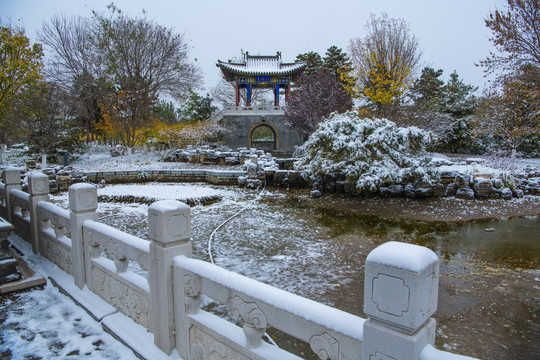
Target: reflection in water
513	243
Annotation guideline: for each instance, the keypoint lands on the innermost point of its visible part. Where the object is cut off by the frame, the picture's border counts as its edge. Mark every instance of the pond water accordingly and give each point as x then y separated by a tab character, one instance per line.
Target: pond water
320	255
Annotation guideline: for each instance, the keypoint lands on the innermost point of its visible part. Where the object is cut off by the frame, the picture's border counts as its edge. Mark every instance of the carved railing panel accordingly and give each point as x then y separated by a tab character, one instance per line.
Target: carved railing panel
20	210
331	333
127	291
54	244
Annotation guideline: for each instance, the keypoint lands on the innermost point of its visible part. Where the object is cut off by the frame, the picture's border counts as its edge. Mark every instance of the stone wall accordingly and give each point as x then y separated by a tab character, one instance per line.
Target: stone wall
242	122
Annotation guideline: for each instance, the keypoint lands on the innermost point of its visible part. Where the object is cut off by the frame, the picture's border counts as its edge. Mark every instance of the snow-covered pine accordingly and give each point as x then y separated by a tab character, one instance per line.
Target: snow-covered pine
371	153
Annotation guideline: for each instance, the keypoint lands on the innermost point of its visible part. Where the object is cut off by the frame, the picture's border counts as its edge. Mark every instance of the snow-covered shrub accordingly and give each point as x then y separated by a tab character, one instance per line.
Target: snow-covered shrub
371	153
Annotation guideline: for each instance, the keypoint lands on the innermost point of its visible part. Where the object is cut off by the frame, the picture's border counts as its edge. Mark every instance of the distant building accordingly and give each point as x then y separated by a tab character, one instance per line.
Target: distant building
262	126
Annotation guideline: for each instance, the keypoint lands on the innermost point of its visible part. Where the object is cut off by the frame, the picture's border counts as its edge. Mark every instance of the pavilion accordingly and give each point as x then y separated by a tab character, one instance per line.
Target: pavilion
262	126
264	71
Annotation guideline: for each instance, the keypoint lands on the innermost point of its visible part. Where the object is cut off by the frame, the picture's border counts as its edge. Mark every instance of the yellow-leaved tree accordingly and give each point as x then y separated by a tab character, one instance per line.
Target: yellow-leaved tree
383	64
126	116
20	67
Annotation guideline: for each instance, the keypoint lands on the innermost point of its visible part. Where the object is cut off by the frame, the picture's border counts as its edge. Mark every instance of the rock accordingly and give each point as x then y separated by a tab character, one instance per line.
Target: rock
242	181
349	188
316	194
451	189
465	193
50	172
384	192
482	187
448	176
462	180
519	193
253	184
31	164
232	160
251	169
498	183
77	174
340	186
495	193
506	194
408	191
438	190
63	182
53	186
423	192
395	190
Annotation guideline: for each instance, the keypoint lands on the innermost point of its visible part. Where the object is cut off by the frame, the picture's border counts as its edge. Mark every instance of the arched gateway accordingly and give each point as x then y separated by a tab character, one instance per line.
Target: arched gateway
260	127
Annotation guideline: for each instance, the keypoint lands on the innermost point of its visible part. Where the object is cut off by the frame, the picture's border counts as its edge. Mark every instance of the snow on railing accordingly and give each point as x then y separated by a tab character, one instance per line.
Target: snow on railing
327	330
400	287
53	243
252	108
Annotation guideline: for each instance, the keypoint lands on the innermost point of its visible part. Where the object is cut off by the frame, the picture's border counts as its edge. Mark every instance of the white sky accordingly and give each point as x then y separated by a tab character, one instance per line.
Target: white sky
451	33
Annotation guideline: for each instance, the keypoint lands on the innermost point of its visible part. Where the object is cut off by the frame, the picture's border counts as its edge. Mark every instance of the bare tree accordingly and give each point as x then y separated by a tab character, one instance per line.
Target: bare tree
76	66
384	62
316	96
111	52
516	34
141	54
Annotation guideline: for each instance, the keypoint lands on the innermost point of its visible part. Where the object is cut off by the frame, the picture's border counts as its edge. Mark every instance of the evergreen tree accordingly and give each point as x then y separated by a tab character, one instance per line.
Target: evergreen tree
427	91
196	108
313	61
166	112
341	66
459	102
336	60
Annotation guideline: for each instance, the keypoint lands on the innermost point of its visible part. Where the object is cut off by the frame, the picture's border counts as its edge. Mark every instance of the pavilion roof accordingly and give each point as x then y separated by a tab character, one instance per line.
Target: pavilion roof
264	65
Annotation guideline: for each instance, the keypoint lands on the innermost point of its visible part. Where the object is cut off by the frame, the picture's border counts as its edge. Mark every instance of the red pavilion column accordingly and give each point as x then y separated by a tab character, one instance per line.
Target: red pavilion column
288	94
237	94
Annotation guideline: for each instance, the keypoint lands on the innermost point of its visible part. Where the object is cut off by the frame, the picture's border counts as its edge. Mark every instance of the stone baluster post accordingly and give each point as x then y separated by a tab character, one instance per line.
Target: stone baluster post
12	180
38	187
169	229
400	295
83	206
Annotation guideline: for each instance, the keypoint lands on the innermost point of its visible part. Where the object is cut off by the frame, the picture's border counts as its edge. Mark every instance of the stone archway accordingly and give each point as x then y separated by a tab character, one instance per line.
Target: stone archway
264	136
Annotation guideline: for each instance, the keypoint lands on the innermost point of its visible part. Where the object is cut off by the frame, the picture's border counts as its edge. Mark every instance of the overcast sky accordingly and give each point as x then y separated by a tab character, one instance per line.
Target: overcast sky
451	33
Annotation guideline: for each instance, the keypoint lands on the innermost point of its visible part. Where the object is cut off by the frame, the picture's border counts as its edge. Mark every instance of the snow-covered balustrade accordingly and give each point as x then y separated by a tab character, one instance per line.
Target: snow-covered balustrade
111	279
401	285
254	108
126	290
20	213
11	179
331	333
54	222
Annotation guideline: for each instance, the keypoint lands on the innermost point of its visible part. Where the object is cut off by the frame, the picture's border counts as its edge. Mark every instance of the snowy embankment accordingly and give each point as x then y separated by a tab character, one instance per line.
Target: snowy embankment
150	193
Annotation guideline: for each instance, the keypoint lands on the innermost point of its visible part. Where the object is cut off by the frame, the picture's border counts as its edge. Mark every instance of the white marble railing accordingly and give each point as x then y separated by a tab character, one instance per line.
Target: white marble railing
53	242
253	108
401	285
331	333
111	279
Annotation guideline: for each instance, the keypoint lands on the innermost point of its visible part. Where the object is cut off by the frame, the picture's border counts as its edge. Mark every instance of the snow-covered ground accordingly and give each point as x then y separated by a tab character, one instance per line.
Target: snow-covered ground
289	248
45	324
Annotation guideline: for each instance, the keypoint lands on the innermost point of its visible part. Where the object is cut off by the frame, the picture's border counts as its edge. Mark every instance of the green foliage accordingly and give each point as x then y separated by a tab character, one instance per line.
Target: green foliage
196	108
371	153
313	61
166	112
428	90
